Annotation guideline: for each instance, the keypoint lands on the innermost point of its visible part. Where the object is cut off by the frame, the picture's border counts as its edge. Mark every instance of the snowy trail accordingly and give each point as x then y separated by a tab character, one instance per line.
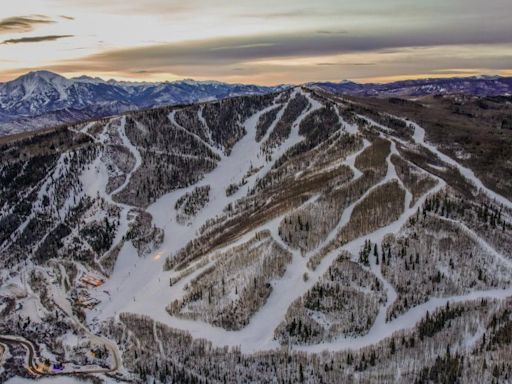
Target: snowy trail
484	244
133	150
84	131
172	118
350	128
419	138
391	294
145	286
406	321
131	273
258	334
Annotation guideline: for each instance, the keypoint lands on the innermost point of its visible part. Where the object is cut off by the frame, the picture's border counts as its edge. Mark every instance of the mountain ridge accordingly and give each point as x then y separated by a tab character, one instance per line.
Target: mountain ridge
39	98
472	85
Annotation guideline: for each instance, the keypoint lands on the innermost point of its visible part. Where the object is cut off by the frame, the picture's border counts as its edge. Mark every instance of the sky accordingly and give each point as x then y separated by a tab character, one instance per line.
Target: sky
261	42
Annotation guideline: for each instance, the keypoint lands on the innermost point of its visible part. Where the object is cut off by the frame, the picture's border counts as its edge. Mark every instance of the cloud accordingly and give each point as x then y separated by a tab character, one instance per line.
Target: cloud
35	39
278	15
305	56
23	23
329	32
146	7
240	50
242	46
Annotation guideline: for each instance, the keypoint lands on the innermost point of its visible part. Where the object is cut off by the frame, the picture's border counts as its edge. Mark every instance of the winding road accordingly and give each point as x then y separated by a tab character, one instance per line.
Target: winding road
33	367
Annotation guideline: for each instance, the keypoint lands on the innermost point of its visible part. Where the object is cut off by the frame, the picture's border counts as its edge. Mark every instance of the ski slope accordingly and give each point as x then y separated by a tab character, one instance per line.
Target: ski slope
139	285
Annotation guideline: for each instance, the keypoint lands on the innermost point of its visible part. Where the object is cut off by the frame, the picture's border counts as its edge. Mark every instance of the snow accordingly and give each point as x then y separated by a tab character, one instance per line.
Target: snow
46	380
148	272
419	138
140	285
172	118
145	286
258	334
132	149
407	320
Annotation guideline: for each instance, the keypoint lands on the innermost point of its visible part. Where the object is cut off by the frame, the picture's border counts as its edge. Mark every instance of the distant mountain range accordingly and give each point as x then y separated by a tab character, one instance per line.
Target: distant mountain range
477	86
41	99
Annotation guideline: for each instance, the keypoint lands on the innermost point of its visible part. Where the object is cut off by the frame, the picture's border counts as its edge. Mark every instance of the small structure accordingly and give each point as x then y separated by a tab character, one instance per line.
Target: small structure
92	280
85	300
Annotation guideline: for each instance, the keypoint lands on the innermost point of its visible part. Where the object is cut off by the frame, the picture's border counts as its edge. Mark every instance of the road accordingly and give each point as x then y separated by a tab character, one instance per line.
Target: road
10	340
34	369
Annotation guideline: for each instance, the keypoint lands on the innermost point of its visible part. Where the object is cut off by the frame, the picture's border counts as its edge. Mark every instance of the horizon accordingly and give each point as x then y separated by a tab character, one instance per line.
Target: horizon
103	79
265	43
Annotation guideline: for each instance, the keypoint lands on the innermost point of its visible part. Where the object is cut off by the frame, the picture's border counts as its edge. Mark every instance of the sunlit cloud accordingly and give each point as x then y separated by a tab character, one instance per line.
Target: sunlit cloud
267	41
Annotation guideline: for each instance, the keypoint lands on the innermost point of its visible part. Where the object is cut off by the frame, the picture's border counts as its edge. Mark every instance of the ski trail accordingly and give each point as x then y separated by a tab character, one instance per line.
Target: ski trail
406	321
204	123
484	244
143	280
350	128
274	123
84	131
172	118
419	138
133	150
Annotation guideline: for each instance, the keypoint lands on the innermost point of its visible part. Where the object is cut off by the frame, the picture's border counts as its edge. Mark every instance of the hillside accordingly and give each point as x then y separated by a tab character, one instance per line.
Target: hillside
475	86
43	99
291	236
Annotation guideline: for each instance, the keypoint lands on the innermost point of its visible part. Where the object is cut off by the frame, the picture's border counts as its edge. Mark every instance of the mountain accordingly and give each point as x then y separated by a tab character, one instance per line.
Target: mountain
294	236
42	99
476	86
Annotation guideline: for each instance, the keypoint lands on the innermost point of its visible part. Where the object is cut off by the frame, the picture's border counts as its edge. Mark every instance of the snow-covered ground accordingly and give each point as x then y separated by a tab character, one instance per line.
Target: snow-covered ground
47	380
139	285
419	138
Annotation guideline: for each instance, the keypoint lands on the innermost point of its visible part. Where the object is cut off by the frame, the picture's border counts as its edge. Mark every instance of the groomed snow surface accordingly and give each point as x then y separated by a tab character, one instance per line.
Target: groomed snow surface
139	285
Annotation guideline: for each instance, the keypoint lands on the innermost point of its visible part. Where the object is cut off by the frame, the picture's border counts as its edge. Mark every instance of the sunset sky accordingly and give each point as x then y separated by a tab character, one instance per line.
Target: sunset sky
265	42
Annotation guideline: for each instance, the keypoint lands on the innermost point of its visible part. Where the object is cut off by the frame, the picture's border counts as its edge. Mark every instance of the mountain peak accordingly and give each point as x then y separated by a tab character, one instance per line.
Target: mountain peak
42	74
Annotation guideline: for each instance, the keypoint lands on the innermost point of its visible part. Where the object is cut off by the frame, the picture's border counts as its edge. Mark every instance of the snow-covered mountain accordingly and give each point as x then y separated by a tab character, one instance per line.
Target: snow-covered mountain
477	86
292	237
41	99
